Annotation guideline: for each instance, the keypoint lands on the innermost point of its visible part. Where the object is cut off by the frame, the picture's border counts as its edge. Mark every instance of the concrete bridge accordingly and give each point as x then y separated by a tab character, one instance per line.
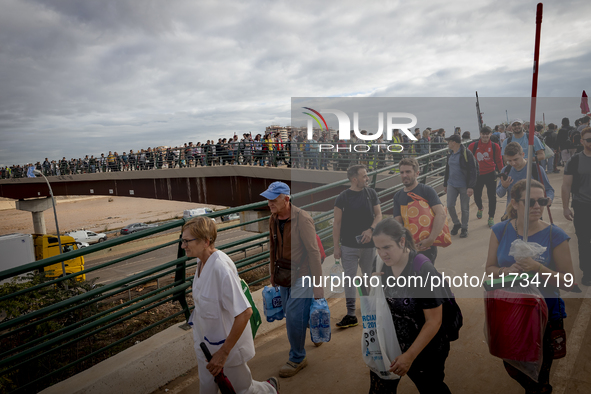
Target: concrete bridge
166	363
230	185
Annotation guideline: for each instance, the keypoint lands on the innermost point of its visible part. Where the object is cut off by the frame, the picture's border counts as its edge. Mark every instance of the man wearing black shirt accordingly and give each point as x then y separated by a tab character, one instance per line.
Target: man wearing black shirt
357	211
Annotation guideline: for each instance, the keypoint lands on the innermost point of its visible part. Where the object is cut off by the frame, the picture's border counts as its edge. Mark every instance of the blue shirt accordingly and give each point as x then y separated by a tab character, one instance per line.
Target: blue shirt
522	174
523	141
551	294
457	178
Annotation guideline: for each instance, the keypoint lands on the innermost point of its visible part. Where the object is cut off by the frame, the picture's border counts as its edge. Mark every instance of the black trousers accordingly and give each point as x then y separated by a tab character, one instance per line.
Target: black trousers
582	222
490	182
427	373
543	383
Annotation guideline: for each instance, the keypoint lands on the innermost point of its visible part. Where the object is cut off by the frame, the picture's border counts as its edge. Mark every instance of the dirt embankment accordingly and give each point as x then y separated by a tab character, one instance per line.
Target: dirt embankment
94	213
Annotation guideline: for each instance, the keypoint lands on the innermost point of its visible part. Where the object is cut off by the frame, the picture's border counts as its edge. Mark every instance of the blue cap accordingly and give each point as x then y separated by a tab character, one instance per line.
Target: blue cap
275	189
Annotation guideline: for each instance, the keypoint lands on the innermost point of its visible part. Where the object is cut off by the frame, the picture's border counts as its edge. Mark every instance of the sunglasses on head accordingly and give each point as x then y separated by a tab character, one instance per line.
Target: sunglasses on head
541	201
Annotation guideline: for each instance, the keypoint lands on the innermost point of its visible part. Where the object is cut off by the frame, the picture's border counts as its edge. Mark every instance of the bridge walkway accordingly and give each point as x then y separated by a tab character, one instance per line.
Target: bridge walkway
337	366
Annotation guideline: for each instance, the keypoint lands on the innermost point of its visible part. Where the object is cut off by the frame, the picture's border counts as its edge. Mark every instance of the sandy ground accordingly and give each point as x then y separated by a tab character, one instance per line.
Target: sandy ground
96	214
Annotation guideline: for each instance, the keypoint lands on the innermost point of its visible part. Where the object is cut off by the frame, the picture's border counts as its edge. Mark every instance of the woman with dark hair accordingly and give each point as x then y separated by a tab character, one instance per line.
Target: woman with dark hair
416	311
221	315
555	264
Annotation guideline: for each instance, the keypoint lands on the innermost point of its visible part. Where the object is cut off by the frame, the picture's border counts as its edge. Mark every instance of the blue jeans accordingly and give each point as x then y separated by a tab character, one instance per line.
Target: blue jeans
296	302
452	197
549	165
351	258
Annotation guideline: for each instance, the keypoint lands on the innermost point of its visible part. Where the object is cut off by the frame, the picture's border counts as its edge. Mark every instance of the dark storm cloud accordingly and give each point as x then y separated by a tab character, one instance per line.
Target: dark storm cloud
81	77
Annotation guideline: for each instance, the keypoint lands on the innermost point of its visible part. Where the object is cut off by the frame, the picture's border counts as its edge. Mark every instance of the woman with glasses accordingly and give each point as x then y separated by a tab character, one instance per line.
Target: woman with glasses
554	264
221	315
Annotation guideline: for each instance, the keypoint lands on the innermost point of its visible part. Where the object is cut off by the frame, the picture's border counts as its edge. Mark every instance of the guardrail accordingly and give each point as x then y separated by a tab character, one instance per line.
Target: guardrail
47	325
272	154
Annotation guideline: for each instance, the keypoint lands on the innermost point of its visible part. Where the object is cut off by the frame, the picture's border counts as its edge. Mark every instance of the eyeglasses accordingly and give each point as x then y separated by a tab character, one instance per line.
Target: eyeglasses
541	201
587	140
186	241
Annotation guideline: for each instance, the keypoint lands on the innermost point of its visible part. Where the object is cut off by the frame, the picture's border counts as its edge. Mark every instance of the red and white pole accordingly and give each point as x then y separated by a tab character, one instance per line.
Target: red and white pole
532	117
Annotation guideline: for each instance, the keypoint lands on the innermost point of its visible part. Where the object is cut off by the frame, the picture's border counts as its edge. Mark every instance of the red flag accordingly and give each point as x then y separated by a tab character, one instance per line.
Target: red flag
584	103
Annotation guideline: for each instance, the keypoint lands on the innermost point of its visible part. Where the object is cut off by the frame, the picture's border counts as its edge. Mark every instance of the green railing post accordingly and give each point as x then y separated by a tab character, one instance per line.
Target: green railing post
181	276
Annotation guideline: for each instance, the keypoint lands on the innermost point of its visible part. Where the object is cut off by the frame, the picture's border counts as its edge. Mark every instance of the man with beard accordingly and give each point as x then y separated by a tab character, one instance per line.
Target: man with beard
521	138
409	171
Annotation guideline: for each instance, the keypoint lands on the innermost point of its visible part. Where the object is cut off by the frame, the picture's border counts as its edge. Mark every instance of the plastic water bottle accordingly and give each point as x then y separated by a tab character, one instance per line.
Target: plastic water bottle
325	325
337	271
319	321
272	303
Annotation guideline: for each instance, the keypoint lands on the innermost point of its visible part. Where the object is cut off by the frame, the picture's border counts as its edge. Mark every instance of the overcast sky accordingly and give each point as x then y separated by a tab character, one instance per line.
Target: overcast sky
84	77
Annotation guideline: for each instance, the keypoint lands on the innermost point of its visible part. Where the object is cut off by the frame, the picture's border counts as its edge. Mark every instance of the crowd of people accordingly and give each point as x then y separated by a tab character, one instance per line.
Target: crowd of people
360	233
297	151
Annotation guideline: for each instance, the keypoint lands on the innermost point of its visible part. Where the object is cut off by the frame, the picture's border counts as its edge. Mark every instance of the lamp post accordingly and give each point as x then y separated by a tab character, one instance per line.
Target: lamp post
59	239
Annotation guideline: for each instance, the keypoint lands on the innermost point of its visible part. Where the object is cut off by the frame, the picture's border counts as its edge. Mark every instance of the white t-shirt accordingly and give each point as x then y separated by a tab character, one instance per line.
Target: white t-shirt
218	300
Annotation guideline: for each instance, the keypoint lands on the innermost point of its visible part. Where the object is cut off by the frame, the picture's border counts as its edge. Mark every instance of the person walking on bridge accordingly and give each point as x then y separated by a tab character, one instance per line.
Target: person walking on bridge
294	253
577	180
488	155
461	172
409	171
221	315
356	213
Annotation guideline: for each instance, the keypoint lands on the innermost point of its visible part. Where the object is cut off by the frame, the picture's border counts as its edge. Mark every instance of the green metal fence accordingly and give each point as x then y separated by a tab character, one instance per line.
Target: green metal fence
41	345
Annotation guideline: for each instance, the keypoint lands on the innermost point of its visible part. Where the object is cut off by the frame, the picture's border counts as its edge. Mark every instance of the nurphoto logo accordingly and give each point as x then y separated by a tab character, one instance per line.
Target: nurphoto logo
345	127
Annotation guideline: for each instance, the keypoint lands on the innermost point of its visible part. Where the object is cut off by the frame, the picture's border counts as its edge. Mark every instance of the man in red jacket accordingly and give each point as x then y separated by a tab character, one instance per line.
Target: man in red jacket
488	155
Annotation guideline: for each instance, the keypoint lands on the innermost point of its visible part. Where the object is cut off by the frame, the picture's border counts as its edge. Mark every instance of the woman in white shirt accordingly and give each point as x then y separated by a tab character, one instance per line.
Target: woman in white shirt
221	315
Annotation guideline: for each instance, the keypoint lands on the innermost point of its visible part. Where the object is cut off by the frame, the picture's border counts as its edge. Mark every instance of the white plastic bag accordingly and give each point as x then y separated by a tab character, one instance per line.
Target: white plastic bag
379	343
521	250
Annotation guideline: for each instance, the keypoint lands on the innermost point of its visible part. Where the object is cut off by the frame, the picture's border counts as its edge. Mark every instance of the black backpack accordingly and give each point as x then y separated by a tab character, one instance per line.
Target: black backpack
574	164
575	137
452	319
465	156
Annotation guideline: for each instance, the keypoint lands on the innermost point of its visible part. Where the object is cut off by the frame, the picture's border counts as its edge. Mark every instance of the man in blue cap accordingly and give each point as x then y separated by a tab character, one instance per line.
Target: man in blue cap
294	253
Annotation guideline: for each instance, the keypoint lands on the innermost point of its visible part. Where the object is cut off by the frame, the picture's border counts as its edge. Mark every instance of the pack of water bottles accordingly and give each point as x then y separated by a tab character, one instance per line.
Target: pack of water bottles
320	321
272	302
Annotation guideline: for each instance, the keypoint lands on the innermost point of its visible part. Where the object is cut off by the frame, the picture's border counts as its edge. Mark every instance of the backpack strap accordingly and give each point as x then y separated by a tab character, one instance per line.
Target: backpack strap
475	148
550	251
369	202
418	262
505	229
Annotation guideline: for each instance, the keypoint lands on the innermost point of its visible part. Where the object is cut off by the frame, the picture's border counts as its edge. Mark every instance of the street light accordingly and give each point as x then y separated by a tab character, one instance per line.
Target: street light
59	239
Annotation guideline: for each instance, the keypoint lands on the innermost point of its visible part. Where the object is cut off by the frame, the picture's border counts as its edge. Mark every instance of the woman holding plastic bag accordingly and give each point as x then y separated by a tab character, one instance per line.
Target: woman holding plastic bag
552	262
221	315
415	311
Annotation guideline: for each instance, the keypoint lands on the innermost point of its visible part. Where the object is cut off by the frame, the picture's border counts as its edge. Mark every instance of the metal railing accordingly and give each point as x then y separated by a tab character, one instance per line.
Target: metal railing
39	347
272	154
